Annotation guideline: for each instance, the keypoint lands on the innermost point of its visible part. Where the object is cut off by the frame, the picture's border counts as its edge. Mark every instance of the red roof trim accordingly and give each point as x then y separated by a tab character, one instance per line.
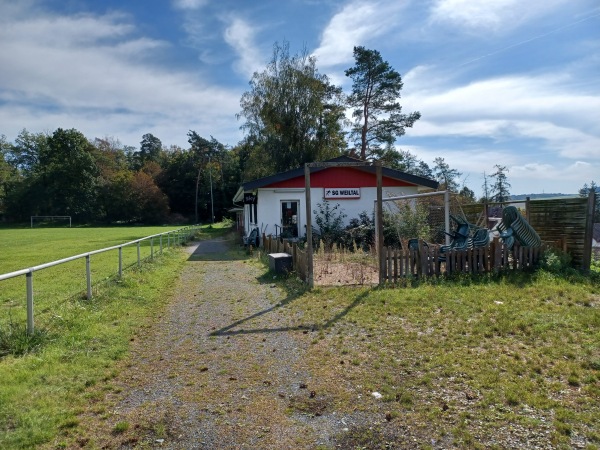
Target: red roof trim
341	177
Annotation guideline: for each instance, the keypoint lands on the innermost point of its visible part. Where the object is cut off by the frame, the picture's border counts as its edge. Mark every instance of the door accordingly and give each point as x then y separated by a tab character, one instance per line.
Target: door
289	218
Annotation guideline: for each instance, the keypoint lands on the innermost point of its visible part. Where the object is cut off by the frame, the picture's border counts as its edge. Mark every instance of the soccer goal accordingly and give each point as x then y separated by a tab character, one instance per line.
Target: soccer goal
50	221
425	216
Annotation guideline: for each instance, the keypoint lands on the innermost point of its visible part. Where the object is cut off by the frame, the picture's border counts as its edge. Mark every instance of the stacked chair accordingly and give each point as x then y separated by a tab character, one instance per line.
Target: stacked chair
514	228
465	236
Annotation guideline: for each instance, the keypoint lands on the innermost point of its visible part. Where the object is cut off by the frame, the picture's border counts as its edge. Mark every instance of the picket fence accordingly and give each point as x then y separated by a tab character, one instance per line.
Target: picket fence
428	261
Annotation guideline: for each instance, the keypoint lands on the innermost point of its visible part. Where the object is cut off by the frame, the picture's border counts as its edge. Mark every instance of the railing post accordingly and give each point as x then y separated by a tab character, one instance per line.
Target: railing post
30	328
120	262
152	248
138	254
169	239
88	276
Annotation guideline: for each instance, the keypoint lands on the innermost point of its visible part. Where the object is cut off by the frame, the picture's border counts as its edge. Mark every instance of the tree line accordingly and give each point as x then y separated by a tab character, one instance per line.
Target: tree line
64	173
291	114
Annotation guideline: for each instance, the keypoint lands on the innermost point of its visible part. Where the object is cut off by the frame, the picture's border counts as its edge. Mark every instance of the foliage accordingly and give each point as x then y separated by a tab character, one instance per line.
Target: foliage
150	150
378	115
500	189
410	220
67	176
467	194
330	222
486	189
292	114
557	262
403	160
104	181
360	232
446	176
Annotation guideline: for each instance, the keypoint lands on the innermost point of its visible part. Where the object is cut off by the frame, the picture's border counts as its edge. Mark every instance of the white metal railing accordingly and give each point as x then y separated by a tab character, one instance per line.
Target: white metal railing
175	237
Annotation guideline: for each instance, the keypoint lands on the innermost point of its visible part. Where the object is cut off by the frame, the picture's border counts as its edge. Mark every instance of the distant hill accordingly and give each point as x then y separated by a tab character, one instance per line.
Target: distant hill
534	196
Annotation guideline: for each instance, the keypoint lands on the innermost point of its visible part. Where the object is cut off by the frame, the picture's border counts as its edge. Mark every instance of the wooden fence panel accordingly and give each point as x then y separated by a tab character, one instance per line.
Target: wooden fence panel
425	262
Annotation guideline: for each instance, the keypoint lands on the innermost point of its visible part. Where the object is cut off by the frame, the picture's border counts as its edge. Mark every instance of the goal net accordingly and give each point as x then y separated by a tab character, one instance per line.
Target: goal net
425	216
50	221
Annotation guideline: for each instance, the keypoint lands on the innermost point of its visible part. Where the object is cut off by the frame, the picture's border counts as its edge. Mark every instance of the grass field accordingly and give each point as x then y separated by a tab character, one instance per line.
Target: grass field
78	341
461	361
23	248
471	363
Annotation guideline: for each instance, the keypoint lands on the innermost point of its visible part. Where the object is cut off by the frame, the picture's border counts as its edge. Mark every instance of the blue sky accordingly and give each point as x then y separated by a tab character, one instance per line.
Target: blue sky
496	81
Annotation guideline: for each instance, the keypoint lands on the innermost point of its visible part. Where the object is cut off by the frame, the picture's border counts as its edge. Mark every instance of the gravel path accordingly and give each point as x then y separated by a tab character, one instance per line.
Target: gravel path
222	368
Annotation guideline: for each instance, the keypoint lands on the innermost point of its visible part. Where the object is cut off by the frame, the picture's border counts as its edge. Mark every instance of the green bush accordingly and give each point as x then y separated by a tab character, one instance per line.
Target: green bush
555	261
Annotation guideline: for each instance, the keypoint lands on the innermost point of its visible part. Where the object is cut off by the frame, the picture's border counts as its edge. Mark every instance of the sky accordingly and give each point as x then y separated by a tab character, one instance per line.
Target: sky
508	82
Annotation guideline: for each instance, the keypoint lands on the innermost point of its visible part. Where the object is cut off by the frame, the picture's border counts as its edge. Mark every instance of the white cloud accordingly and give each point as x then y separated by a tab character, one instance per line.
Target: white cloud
491	15
94	74
507	108
358	22
240	36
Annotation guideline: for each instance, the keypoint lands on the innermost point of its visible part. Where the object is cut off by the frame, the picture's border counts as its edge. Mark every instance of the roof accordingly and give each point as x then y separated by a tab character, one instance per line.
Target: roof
294	173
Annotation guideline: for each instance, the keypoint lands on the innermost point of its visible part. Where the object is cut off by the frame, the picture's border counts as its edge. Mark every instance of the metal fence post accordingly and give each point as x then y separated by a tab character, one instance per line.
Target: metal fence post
29	278
120	262
88	275
138	253
169	239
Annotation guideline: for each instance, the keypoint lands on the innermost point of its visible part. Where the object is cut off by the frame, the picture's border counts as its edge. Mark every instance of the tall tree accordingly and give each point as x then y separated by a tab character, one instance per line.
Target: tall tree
6	172
24	154
500	189
69	175
446	176
486	188
375	93
405	161
150	150
293	114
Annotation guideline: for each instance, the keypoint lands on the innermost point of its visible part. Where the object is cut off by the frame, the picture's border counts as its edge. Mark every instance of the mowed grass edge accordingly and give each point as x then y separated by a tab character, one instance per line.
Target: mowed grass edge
42	392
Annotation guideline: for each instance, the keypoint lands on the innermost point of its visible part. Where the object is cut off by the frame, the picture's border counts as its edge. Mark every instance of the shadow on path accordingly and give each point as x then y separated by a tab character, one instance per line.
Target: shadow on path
219	249
228	330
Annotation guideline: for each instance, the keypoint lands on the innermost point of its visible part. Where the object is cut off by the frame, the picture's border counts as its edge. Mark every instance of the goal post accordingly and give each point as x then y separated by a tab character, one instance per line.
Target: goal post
446	206
52	219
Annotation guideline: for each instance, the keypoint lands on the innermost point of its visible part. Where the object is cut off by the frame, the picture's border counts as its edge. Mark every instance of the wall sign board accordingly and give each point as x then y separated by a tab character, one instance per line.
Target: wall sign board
250	198
341	193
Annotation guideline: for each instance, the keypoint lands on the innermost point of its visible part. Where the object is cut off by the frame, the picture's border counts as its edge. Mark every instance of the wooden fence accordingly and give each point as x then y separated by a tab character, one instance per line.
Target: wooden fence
427	261
566	222
271	244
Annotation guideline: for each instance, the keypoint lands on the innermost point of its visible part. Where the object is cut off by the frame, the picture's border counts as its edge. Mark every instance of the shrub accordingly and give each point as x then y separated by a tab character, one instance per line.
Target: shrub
555	261
331	223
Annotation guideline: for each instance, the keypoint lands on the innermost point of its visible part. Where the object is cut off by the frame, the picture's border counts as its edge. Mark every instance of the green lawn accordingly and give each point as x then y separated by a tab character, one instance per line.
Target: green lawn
465	362
78	341
23	248
460	361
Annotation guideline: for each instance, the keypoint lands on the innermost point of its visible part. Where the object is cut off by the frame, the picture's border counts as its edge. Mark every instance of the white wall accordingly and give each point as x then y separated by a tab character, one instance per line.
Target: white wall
269	204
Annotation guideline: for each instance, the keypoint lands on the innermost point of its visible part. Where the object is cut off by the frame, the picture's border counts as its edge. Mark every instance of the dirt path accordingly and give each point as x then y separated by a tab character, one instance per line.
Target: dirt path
222	368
